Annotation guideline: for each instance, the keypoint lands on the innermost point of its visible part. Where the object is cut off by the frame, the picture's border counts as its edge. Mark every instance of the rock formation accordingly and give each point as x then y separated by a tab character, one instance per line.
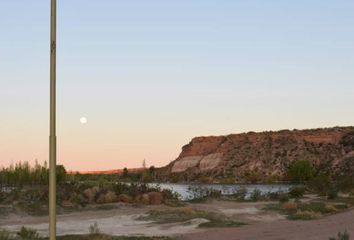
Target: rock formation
264	156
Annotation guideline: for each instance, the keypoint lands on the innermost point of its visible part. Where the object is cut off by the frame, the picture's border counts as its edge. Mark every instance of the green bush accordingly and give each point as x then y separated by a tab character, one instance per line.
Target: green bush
346	183
28	234
300	171
6	235
283	198
320	184
278	196
297	192
332	193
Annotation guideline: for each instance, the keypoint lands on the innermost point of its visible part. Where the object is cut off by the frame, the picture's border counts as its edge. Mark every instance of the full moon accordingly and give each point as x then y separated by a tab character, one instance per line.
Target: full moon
83	120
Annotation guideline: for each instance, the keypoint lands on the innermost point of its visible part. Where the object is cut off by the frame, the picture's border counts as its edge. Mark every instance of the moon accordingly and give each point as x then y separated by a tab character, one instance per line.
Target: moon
83	120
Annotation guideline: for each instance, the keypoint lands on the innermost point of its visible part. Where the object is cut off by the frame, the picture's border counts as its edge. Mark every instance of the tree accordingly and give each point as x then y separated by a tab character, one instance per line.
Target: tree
125	172
152	170
60	173
300	171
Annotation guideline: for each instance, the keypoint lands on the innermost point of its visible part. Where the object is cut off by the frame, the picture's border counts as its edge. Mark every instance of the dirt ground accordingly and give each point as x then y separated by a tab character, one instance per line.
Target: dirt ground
321	229
123	220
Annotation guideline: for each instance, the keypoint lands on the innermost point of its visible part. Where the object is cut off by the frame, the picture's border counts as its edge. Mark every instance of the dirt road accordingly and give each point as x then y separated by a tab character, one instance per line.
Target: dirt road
321	229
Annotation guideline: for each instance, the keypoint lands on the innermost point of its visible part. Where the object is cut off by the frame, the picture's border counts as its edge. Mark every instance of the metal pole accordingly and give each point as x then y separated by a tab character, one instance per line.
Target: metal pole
52	137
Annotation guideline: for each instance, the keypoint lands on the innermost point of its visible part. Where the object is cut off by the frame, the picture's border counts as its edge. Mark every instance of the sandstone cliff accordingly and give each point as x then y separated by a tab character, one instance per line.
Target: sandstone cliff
251	157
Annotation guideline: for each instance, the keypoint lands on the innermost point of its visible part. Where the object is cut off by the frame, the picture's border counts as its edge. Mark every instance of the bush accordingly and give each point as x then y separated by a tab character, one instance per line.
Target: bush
346	183
199	194
278	196
341	236
283	197
240	193
94	229
256	195
320	184
304	215
300	171
5	235
290	206
297	192
332	193
28	234
329	208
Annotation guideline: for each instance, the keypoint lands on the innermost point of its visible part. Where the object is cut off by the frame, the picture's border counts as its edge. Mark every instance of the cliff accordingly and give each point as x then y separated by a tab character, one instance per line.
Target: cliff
265	156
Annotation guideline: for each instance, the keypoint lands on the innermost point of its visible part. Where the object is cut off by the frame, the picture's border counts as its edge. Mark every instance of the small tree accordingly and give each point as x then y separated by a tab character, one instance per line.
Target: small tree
300	171
152	170
60	173
125	172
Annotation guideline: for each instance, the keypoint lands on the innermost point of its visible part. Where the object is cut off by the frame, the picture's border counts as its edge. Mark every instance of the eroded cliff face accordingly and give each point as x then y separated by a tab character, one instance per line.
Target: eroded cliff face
262	156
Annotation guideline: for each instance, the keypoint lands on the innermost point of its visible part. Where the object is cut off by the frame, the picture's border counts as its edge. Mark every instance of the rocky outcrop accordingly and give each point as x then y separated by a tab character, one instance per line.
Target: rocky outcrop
262	156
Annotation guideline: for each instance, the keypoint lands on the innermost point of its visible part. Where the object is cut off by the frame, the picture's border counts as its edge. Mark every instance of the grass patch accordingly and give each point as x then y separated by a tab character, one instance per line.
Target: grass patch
305	211
5	235
185	214
106	237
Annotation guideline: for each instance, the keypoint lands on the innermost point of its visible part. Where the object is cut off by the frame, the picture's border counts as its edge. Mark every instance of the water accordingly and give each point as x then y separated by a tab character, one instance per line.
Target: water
226	189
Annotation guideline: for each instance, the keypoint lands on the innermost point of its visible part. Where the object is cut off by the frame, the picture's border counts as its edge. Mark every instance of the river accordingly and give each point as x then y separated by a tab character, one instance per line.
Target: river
226	189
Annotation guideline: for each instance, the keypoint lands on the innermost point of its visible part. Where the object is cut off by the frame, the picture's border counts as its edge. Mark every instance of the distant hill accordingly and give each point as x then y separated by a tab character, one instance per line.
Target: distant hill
264	156
108	172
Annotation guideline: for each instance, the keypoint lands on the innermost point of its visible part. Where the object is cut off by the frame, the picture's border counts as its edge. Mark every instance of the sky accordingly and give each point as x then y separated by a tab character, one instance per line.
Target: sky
149	75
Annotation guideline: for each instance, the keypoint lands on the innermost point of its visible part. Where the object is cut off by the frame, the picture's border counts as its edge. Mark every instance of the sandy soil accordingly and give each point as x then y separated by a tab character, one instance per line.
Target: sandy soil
121	221
262	224
321	229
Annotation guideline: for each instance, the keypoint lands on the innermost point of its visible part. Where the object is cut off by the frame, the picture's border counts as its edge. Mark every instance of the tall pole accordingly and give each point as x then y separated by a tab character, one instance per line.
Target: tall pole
52	137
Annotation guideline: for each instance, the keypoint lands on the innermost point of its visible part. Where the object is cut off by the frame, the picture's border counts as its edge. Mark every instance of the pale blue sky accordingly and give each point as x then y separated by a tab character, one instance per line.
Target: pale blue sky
149	75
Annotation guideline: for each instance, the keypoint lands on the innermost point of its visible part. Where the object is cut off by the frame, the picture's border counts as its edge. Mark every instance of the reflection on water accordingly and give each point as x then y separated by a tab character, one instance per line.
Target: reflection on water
226	189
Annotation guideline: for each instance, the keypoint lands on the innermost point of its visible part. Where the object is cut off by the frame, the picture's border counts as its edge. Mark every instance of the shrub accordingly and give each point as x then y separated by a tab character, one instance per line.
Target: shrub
341	236
240	193
320	184
329	208
94	229
5	235
28	234
346	183
332	193
304	215
275	196
256	195
300	171
254	176
284	197
297	192
290	206
198	193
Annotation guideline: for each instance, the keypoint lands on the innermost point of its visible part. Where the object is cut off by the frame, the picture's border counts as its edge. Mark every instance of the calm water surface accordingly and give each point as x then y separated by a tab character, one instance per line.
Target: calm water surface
226	189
